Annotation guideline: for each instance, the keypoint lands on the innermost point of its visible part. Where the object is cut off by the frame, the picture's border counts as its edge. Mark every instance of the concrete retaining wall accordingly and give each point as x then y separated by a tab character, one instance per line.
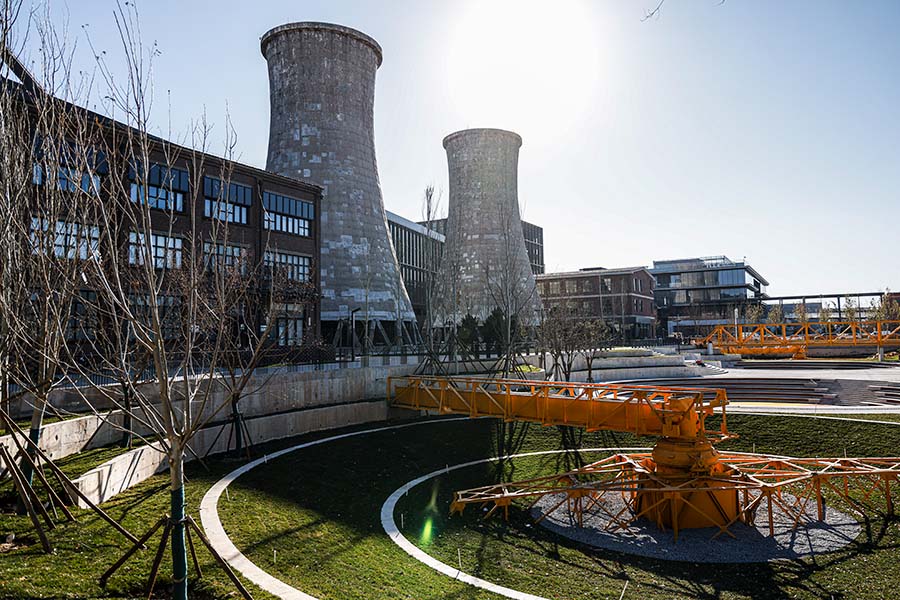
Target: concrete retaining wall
279	405
657	372
71	436
129	469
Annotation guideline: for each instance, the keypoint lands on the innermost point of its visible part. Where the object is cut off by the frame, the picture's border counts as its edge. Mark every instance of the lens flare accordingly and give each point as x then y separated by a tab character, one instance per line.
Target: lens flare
427	531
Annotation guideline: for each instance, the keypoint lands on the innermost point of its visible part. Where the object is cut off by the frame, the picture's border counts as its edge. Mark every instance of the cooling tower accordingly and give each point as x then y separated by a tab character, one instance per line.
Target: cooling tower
485	260
322	96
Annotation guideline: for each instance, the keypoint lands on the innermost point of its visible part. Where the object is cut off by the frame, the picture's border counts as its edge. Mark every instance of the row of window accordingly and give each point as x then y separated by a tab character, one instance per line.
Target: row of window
286	224
295	266
164	188
64	240
75	240
587	286
709	278
68	179
82	323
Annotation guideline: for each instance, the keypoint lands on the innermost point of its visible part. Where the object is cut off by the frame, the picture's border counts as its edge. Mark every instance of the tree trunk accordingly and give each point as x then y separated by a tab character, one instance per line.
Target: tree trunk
37	421
179	552
237	426
4	392
127	434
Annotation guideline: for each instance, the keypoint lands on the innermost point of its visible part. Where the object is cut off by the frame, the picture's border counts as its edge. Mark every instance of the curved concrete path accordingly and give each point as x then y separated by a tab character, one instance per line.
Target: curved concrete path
215	531
393	532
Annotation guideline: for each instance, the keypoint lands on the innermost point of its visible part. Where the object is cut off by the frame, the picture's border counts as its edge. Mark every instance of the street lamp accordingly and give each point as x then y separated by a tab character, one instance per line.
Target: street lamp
353	333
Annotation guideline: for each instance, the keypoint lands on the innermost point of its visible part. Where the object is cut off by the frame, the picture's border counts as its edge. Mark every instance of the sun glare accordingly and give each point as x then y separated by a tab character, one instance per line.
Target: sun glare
522	63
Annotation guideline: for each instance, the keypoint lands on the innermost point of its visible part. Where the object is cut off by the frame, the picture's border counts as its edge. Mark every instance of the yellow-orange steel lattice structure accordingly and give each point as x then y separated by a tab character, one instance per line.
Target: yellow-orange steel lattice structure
760	339
683	483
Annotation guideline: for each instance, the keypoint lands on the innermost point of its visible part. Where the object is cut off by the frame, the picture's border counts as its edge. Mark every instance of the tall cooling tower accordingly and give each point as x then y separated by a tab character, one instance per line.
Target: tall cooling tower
322	95
486	263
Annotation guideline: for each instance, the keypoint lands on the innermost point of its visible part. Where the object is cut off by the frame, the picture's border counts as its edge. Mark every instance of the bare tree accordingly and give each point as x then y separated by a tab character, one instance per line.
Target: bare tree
511	290
754	312
851	309
885	308
45	234
776	314
826	312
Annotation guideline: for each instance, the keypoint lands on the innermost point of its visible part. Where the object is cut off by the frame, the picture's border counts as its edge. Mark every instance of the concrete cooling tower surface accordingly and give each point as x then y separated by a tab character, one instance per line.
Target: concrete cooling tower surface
322	95
485	260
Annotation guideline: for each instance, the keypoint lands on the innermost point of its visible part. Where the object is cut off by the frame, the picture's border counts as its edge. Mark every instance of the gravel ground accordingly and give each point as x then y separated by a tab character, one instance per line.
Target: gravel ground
752	544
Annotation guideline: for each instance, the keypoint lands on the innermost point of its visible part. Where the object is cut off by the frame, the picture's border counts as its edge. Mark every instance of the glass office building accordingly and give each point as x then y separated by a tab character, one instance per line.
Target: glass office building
695	293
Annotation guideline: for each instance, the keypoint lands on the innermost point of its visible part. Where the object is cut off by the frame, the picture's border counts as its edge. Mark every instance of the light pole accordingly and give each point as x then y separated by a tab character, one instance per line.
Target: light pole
353	333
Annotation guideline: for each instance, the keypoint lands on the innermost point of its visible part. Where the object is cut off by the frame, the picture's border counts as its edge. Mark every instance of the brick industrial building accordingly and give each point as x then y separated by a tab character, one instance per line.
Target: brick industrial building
272	221
622	298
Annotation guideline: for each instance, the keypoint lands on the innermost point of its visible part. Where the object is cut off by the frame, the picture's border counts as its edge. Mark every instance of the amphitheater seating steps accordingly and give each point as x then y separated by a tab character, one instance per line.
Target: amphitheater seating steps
759	389
812	364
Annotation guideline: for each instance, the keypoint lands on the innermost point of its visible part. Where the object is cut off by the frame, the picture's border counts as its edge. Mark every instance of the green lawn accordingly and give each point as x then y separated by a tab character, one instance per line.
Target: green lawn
319	508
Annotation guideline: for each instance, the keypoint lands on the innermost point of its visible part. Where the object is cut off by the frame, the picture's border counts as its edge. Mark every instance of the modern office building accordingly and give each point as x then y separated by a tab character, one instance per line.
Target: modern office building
622	298
419	252
693	294
534	244
534	241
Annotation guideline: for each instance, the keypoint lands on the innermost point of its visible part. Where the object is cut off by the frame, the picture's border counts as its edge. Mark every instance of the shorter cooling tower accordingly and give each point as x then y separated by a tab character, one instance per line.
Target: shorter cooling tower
485	263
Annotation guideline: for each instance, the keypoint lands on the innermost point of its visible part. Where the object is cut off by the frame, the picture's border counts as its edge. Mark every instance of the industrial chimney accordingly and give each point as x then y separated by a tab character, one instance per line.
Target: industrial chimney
322	96
485	263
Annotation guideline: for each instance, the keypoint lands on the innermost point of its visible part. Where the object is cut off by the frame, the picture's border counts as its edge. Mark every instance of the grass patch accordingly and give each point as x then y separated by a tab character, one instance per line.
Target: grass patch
319	508
85	549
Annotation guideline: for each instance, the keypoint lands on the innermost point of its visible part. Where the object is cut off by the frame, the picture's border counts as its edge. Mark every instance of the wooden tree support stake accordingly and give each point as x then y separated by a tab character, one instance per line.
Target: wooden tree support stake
20	484
167	524
71	487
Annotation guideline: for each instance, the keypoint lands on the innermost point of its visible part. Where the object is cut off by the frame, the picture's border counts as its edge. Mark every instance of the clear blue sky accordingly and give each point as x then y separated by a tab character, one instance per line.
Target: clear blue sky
764	129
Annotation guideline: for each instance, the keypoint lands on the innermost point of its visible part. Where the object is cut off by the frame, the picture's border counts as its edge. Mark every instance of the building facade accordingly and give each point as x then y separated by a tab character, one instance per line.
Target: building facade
419	252
201	208
693	294
534	241
621	298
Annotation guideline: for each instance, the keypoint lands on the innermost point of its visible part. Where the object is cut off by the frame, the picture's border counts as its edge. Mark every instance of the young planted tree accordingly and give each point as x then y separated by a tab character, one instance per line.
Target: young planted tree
511	291
885	308
45	235
598	336
776	314
561	335
753	313
156	279
801	312
851	309
826	312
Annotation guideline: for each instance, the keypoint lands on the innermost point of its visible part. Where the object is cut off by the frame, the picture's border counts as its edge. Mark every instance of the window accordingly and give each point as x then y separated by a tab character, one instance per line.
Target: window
69	179
289	215
82	323
166	251
226	203
218	255
64	240
554	287
295	266
165	187
169	312
289	330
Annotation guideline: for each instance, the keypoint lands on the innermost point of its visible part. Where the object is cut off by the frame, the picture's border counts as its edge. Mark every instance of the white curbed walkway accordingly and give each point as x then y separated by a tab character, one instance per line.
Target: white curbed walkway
212	525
